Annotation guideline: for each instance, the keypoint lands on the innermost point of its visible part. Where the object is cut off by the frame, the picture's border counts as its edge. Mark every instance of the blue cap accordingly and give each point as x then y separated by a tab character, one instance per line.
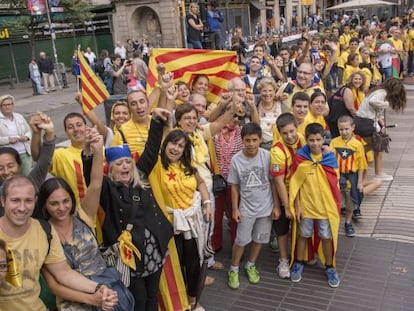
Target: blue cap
117	152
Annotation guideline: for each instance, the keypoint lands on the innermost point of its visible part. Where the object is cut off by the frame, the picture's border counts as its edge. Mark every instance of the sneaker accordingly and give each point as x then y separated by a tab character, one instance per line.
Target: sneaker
333	279
296	272
283	269
233	282
384	177
274	246
356	214
349	230
253	275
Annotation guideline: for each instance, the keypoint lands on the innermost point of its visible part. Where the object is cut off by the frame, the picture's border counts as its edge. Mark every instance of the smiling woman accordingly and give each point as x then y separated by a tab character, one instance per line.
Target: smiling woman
15	132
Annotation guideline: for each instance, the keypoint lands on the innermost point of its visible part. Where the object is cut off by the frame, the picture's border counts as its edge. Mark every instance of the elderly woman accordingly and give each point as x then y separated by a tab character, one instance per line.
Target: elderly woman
130	209
15	132
10	159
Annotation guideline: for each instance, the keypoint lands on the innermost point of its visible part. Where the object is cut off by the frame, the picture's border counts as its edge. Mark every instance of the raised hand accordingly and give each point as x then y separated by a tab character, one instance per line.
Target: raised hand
172	93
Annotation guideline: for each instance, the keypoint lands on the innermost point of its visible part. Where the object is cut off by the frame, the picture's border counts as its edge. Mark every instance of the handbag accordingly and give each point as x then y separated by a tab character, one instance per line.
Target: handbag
381	140
219	184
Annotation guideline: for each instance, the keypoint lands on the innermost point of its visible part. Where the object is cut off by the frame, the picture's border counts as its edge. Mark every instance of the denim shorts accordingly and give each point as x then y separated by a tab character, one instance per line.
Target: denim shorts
324	229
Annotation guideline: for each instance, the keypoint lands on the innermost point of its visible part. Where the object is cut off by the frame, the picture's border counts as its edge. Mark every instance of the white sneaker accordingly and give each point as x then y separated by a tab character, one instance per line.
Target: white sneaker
283	269
384	177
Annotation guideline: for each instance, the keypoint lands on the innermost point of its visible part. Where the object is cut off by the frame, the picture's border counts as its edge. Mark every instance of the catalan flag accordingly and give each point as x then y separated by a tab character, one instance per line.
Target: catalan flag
94	91
185	64
330	199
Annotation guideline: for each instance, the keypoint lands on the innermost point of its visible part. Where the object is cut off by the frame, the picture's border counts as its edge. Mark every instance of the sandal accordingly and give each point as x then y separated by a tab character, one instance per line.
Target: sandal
209	280
217	266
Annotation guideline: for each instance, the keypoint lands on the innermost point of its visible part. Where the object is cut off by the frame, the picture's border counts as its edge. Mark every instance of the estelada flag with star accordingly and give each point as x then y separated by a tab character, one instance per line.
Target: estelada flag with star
94	91
329	203
185	64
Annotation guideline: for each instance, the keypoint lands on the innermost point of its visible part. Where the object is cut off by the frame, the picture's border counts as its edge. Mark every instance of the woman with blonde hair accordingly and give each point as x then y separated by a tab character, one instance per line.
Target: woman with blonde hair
269	109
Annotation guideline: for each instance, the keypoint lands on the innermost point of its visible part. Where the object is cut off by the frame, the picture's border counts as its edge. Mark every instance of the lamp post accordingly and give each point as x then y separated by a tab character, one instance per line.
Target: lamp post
52	31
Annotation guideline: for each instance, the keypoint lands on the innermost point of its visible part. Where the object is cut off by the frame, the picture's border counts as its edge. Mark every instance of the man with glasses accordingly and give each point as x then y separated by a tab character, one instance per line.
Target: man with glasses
304	83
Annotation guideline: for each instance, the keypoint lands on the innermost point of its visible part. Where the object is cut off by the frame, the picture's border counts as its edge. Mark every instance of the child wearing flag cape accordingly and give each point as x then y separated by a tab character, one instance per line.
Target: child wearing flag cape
314	201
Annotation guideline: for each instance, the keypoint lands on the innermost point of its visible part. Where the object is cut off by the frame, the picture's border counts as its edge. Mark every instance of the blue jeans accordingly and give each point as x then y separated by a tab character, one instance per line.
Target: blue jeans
387	72
356	195
196	44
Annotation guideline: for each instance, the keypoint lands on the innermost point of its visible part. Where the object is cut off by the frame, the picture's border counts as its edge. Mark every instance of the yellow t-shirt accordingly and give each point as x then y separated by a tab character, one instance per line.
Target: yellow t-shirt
30	251
310	118
135	134
344	39
177	187
281	156
310	196
200	154
67	164
349	154
296	88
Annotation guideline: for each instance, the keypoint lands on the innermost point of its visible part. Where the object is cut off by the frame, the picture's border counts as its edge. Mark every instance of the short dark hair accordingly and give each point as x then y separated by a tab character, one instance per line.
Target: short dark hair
317	94
285	119
251	129
354	39
300	96
50	186
13	152
183	109
71	115
313	129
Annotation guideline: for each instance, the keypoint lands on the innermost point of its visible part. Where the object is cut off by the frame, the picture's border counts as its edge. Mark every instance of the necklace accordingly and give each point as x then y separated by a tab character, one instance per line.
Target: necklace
65	236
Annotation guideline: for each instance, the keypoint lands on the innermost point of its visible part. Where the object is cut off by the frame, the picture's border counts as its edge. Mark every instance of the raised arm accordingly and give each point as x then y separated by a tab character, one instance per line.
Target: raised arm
93	118
41	122
90	203
148	159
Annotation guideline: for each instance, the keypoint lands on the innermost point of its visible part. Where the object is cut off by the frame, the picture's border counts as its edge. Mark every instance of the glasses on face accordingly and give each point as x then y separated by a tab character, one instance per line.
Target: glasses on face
7	105
305	73
239	90
3	267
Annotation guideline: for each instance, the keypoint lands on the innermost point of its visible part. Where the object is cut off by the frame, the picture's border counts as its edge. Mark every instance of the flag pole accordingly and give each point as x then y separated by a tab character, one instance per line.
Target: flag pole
53	37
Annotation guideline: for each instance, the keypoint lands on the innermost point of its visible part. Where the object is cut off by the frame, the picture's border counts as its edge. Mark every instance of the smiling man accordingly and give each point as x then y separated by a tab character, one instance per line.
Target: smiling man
303	83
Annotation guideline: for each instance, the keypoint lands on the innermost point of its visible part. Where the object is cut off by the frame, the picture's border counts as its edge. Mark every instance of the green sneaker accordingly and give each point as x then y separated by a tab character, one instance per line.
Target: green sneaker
253	275
233	282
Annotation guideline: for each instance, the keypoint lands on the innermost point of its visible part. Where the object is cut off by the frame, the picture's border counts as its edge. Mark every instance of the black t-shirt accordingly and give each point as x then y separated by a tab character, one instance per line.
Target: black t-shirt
193	34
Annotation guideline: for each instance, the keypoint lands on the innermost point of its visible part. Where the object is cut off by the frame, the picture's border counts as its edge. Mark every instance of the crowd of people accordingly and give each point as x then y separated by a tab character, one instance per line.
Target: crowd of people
96	220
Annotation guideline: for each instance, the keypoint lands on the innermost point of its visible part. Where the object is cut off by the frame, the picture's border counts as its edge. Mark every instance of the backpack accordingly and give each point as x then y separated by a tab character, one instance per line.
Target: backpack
45	294
99	66
337	109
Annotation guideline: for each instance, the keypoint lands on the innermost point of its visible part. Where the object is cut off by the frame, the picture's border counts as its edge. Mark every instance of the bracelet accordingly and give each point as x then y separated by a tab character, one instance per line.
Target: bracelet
98	286
206	202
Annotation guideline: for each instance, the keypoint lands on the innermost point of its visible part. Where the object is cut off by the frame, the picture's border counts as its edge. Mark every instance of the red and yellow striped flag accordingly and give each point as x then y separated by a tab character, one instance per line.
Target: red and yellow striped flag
185	64
94	91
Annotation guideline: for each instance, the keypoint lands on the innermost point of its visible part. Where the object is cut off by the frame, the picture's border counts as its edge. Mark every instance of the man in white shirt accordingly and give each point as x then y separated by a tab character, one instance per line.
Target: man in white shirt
91	57
120	50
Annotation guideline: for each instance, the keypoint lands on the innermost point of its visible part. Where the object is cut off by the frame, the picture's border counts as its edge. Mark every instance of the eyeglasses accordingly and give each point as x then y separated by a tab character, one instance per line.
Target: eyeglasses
239	90
3	267
7	105
305	73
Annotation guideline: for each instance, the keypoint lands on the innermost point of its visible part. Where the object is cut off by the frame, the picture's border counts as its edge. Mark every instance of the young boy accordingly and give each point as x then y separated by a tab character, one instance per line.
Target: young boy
253	202
314	197
281	155
352	165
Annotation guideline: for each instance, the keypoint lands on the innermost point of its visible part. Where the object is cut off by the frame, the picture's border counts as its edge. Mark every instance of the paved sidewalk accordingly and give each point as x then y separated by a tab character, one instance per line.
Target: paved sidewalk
376	267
